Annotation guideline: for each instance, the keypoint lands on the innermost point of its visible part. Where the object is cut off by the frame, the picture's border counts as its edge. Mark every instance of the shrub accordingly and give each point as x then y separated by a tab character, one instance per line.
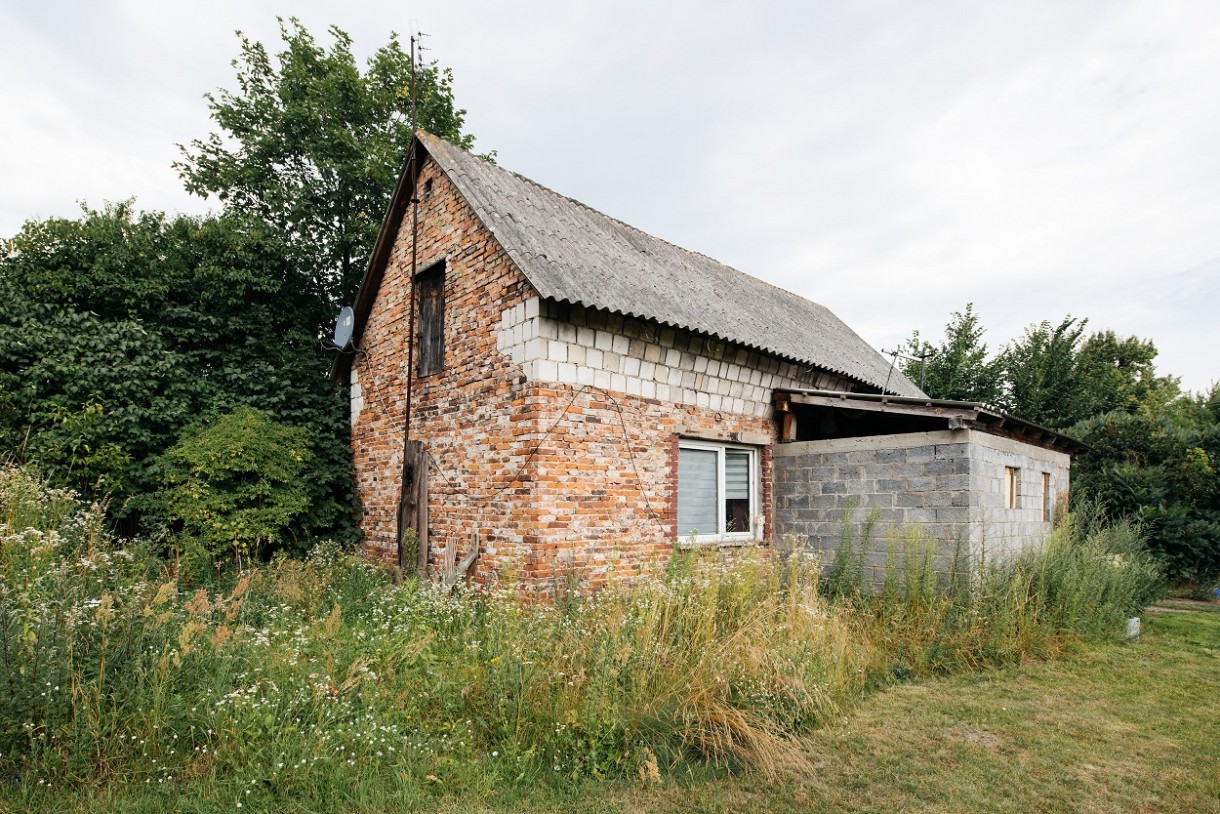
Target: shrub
1161	471
119	329
235	485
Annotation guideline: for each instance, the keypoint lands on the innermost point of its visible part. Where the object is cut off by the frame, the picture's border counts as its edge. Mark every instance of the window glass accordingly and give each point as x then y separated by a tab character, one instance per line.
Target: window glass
697	487
716	490
736	491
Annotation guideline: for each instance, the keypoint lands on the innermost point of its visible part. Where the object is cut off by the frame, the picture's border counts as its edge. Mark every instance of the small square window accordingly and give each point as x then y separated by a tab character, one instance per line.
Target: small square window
1012	481
717	498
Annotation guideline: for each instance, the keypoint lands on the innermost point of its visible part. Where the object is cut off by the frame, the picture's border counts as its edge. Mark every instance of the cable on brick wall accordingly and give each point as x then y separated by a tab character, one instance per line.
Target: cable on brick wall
616	405
618	408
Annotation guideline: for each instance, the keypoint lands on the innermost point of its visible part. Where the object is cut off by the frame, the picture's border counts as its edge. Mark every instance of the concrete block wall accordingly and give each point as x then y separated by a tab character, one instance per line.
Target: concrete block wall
947	485
562	344
908	481
999	531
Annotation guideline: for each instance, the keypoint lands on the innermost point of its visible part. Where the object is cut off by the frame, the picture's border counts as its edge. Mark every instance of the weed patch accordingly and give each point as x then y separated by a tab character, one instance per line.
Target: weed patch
295	680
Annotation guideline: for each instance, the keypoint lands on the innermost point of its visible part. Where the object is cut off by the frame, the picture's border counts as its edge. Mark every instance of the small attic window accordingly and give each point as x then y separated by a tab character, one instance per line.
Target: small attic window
428	188
431	296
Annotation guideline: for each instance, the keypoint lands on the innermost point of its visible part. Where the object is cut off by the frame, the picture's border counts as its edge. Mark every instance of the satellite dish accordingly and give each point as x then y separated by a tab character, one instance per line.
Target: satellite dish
343	327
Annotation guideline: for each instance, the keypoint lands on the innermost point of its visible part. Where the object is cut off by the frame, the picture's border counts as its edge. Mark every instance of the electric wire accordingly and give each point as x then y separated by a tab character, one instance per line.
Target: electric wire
618	409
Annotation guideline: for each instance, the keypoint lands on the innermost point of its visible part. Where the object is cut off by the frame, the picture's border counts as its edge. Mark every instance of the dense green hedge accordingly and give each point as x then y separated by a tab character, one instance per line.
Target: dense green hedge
122	332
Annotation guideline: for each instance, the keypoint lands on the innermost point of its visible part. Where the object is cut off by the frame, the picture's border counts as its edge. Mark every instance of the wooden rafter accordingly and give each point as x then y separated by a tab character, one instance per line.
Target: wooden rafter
883	406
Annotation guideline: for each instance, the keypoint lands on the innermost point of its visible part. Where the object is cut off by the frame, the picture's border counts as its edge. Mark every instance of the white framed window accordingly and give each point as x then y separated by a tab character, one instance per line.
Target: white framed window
717	491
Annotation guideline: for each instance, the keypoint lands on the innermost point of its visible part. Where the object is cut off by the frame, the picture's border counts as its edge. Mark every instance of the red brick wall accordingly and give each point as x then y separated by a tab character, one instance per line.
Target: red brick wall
469	416
605	477
562	483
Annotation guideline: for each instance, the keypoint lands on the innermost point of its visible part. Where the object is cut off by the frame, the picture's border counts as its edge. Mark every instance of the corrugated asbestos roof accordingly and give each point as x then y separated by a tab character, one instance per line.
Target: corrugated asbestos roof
571	253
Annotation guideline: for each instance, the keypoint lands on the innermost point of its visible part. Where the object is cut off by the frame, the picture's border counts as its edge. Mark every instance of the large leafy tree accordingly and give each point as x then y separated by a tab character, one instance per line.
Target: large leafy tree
1057	376
957	368
312	145
1119	373
121	330
1042	377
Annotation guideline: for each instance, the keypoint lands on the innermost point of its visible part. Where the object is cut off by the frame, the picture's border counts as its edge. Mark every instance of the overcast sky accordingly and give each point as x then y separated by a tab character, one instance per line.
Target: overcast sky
891	160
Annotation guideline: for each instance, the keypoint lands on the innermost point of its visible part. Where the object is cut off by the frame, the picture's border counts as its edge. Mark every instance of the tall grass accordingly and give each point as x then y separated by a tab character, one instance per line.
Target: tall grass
1090	575
295	678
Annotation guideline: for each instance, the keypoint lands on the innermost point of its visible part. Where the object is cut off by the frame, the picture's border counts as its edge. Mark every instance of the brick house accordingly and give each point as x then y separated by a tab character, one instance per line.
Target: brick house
581	395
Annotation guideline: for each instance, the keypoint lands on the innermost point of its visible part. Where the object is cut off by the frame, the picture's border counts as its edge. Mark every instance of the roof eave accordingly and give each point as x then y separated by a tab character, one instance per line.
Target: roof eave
362	305
986	413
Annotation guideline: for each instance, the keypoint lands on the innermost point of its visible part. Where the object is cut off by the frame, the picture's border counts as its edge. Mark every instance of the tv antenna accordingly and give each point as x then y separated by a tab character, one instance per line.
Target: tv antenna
417	58
922	358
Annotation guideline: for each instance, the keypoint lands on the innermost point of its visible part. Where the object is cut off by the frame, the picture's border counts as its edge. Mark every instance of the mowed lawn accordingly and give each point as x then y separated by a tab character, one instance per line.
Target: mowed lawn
1119	727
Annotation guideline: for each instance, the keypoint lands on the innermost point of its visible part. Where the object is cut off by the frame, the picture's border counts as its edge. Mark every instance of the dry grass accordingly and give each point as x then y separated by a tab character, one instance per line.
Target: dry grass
1117	727
1123	727
319	685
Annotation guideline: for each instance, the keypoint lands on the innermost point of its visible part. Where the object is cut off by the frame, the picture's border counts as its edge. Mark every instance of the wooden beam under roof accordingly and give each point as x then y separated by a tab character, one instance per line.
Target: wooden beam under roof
884	406
958	414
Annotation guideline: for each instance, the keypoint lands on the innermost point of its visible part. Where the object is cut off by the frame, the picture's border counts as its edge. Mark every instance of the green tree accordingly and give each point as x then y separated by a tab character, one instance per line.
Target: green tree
312	146
1042	377
957	368
121	330
235	485
1120	374
1056	376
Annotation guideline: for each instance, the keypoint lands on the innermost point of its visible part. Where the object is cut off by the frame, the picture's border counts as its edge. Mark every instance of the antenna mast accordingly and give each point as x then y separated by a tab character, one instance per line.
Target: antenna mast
414	95
922	357
414	463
